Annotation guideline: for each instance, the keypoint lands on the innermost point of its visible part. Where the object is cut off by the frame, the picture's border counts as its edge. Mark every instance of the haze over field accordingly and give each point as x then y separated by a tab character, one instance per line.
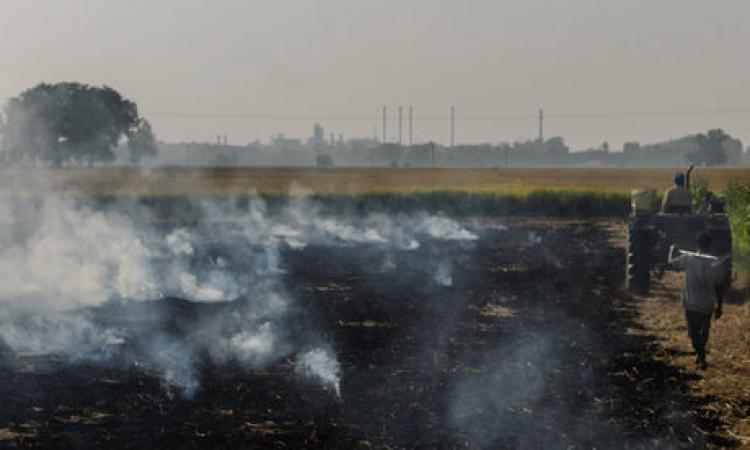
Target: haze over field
251	69
208	238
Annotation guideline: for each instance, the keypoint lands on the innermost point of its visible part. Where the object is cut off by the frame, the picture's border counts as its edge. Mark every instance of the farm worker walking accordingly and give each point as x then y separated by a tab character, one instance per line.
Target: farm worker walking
677	199
702	292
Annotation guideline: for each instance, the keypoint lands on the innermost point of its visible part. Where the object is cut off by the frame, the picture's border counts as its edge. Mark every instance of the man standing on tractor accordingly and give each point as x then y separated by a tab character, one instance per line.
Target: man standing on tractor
702	293
677	199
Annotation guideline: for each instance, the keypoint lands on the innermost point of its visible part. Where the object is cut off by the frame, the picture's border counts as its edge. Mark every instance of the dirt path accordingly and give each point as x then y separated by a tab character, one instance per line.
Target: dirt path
721	391
525	340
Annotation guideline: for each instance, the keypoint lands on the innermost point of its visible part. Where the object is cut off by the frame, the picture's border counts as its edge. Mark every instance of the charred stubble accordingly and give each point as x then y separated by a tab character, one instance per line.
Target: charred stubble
525	347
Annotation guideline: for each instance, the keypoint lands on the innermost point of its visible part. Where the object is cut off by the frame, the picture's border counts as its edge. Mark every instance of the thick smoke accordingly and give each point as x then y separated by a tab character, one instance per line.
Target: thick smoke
57	256
102	283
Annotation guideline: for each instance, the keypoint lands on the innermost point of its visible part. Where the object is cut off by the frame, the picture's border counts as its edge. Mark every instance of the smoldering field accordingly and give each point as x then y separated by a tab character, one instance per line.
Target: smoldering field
252	326
95	284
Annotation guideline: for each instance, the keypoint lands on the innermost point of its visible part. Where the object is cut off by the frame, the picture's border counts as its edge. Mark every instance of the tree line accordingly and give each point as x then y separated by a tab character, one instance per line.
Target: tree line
68	124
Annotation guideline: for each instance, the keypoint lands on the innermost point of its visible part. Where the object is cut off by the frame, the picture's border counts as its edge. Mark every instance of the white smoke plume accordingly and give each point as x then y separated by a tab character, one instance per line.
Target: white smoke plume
443	275
254	346
321	364
179	242
56	256
64	262
444	228
71	334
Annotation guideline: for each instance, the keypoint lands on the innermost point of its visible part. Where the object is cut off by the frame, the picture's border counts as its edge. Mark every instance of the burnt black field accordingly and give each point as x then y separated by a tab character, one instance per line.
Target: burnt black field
521	342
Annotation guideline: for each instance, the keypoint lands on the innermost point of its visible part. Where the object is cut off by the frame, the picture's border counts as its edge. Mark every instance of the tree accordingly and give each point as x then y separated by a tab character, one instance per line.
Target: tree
72	123
556	146
710	148
631	150
141	141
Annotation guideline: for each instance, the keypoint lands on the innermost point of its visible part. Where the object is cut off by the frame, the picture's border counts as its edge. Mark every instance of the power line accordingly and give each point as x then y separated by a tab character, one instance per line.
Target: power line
495	117
666	113
210	115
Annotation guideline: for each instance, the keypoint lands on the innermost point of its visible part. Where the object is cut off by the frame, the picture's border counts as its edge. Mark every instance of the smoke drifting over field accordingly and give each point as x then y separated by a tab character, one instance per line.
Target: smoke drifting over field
102	283
407	329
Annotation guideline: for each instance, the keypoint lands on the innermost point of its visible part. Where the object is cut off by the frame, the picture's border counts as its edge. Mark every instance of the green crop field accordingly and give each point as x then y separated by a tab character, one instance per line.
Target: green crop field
349	181
569	191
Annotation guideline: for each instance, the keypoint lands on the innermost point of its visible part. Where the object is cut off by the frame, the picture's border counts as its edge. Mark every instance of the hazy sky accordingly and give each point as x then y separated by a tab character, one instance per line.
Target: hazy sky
331	58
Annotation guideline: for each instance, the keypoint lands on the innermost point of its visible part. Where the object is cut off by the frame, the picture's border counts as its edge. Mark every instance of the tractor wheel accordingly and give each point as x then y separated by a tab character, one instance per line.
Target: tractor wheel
638	262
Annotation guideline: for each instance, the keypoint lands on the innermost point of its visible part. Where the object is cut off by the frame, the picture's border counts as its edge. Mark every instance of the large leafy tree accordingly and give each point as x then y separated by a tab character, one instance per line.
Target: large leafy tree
72	123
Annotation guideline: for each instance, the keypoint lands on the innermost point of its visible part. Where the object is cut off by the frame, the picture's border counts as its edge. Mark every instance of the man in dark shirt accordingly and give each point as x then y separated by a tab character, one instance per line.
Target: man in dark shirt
702	293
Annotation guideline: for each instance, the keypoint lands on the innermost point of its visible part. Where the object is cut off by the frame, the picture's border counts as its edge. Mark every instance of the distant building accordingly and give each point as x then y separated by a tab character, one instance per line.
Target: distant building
318	140
283	143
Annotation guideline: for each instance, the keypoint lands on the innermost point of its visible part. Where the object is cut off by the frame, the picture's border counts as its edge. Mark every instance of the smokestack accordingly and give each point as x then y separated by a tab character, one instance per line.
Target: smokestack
385	138
541	126
411	126
333	140
400	124
453	125
225	140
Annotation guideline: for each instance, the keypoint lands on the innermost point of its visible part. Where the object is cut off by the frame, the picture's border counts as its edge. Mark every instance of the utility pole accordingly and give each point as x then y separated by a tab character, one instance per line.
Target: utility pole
385	136
541	126
400	124
411	126
453	126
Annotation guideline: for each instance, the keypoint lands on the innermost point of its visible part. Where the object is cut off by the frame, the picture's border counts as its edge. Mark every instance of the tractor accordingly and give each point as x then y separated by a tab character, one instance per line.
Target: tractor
651	233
